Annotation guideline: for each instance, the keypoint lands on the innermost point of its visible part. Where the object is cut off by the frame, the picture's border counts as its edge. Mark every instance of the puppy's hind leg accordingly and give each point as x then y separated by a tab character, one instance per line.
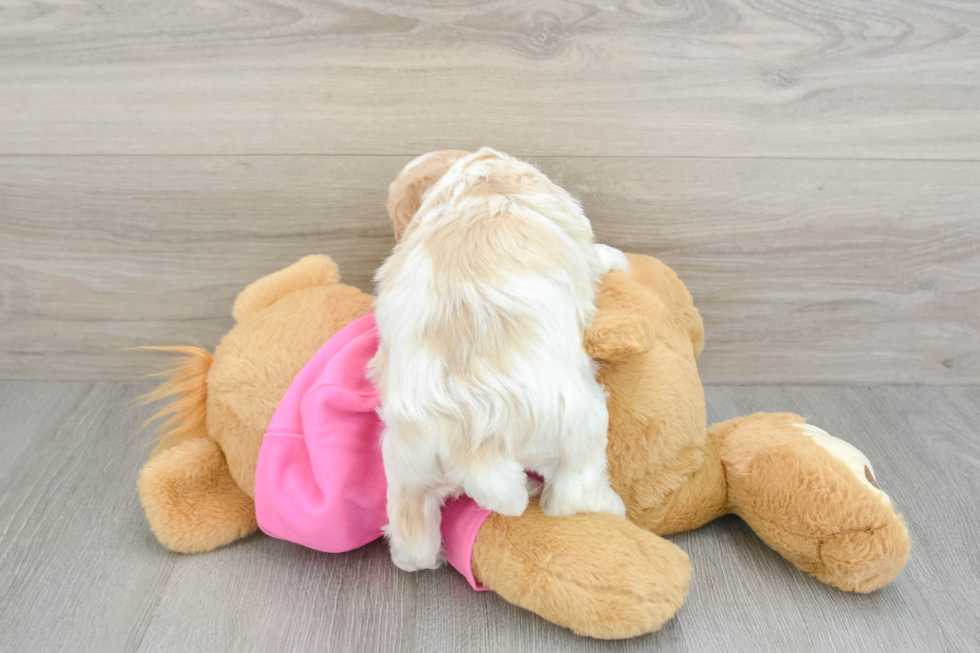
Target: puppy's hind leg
581	481
414	505
414	519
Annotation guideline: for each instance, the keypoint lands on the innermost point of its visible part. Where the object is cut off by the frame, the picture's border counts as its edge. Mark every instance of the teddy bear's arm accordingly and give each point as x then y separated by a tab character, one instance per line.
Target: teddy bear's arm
622	325
598	574
191	501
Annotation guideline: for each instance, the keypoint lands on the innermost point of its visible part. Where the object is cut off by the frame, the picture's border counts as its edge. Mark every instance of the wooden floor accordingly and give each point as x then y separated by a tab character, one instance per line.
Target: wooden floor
811	168
80	570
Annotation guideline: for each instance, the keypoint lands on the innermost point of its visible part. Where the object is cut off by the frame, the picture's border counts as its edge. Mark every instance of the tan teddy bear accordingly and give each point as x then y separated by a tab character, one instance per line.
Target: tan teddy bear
811	497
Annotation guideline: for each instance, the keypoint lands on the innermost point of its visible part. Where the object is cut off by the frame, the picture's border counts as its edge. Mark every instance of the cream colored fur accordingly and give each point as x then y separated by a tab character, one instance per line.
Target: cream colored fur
481	312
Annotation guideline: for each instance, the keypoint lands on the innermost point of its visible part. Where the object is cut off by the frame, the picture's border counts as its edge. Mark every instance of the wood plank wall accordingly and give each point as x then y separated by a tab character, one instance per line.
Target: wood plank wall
810	168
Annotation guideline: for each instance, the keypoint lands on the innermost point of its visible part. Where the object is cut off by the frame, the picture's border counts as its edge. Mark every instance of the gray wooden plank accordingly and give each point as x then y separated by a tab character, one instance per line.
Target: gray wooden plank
805	271
262	594
31	411
933	451
79	569
800	78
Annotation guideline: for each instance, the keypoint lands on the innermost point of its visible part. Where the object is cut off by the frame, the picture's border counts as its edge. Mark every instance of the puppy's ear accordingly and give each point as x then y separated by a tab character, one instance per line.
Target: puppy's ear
405	193
623	326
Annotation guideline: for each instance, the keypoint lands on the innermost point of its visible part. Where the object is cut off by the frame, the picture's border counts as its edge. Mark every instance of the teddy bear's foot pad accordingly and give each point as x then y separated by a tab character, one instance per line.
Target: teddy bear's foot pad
814	499
848	454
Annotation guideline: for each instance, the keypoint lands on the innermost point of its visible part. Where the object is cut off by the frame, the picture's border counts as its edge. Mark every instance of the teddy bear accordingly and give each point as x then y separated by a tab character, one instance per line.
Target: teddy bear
812	497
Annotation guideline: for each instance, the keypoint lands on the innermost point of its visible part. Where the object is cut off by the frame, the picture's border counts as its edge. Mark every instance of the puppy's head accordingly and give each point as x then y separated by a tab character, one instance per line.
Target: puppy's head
405	193
483	174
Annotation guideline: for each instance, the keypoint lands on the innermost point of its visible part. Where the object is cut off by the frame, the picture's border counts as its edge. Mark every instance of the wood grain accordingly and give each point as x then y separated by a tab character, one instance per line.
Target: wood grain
721	78
804	271
80	571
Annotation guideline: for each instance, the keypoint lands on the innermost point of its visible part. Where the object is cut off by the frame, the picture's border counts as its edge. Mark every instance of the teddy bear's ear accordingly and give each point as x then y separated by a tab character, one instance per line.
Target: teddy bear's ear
623	324
405	193
309	271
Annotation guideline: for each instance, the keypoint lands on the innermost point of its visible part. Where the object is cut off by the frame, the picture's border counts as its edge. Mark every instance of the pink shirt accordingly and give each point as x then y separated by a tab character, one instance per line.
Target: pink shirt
320	481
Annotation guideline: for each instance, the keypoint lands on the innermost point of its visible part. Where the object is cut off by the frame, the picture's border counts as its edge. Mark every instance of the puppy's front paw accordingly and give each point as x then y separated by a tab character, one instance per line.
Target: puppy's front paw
565	498
606	500
508	499
500	486
612	258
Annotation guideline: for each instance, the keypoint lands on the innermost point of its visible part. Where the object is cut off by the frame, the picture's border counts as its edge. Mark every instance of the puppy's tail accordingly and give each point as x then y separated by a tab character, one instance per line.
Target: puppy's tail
187	384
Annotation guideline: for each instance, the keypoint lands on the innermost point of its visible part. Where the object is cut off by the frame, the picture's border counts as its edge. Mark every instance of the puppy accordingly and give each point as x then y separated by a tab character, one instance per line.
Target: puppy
481	310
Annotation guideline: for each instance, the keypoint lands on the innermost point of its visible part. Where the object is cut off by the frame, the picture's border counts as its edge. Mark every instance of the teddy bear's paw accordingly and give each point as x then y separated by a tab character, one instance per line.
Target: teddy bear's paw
848	454
599	575
863	560
191	501
859	557
814	499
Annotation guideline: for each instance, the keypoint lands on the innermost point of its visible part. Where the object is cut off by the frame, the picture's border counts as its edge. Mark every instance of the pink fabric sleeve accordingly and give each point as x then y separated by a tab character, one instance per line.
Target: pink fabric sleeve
320	480
462	519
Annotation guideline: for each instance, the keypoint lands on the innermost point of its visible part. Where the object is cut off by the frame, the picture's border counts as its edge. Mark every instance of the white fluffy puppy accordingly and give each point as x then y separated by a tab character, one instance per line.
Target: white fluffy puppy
482	374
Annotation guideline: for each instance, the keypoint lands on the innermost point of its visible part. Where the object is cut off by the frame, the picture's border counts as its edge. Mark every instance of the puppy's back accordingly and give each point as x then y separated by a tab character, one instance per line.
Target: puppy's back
482	305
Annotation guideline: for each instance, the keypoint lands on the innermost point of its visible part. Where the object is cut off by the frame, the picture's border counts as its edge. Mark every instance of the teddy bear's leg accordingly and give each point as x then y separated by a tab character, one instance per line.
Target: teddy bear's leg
598	574
814	499
190	499
700	499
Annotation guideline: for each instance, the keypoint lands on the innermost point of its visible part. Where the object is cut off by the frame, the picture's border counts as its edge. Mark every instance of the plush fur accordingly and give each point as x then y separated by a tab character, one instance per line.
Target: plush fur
597	574
481	369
